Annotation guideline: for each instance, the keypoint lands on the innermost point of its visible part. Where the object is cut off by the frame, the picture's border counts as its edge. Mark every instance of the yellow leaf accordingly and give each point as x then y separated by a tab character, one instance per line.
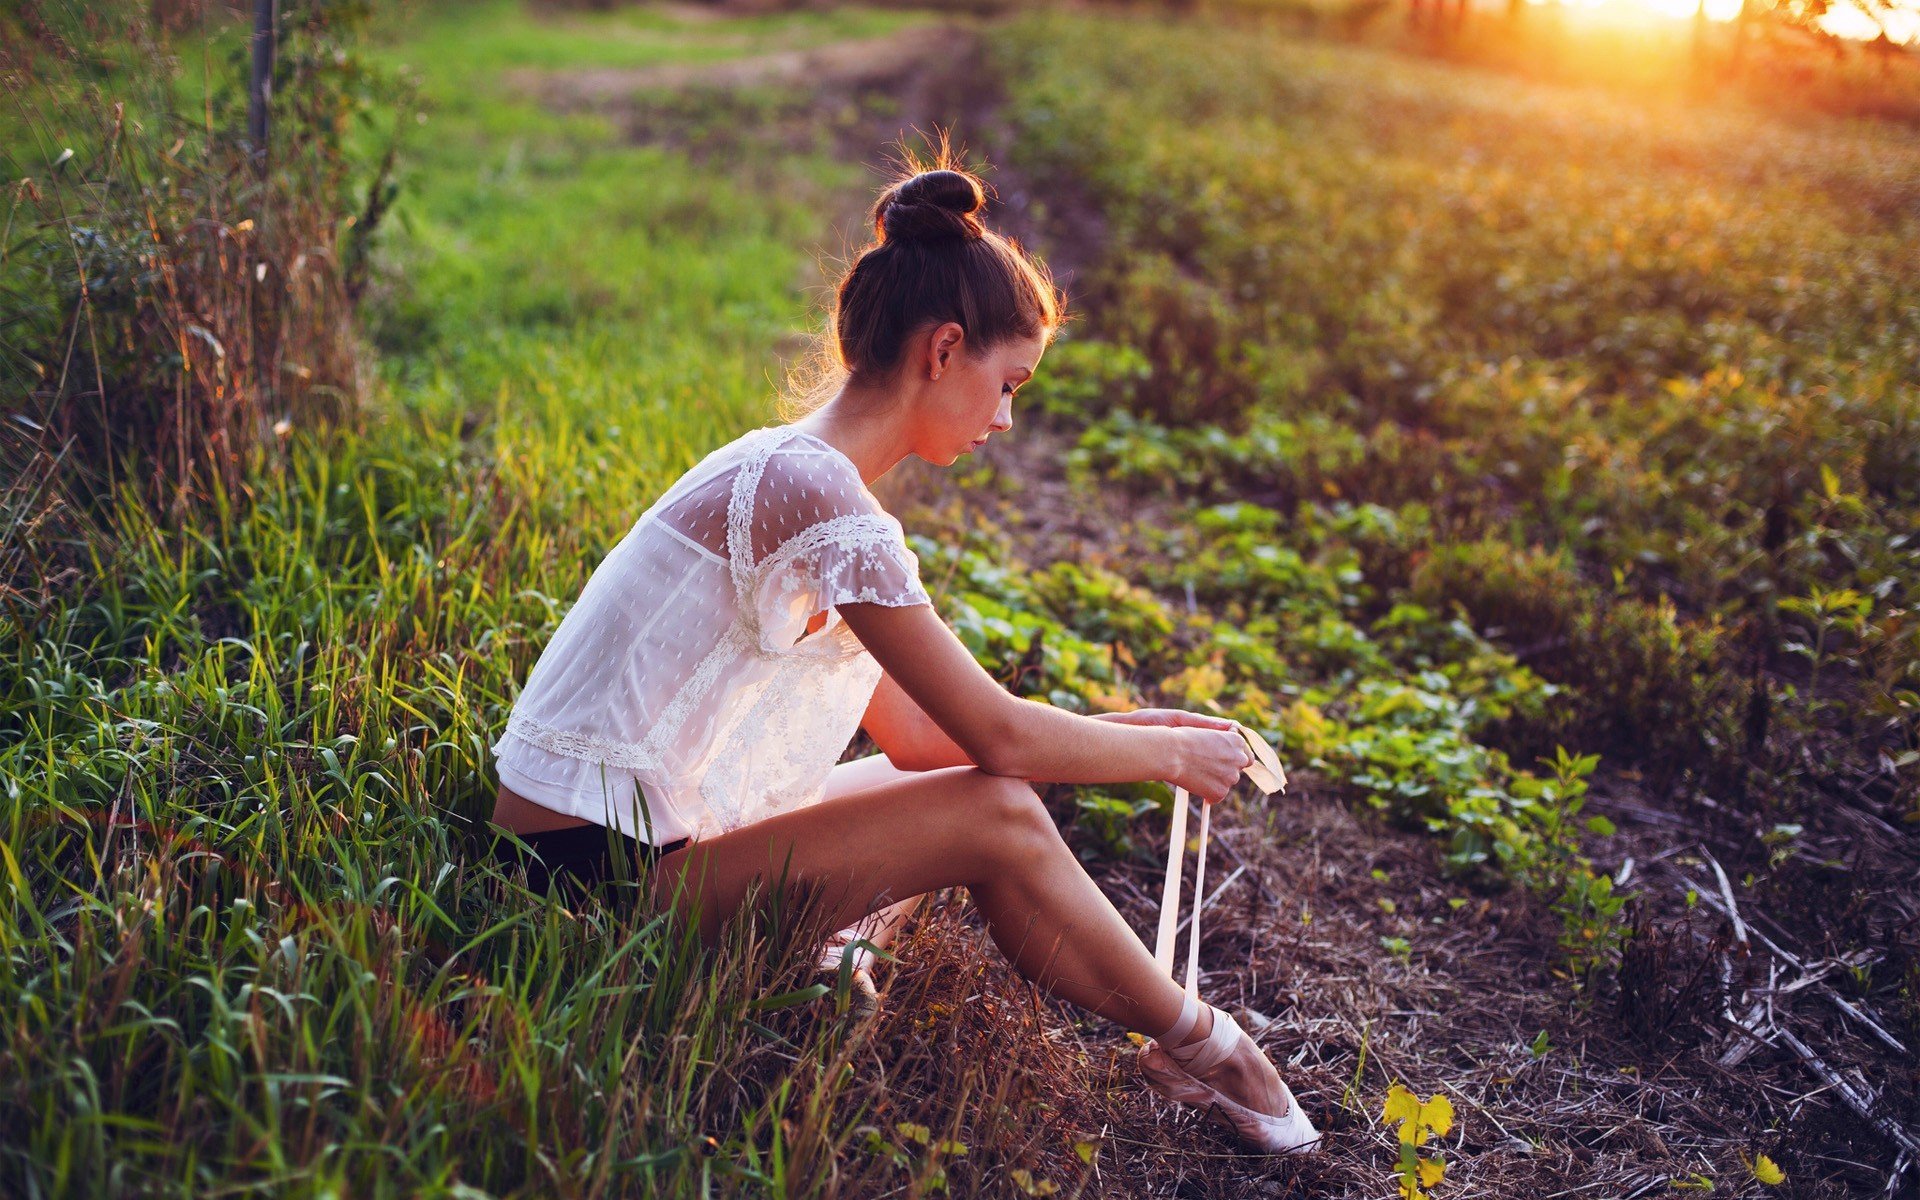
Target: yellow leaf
1767	1172
1401	1105
1438	1114
1432	1172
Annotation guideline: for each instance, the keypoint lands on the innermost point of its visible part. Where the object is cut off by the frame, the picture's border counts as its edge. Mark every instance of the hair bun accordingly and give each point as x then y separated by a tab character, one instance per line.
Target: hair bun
930	205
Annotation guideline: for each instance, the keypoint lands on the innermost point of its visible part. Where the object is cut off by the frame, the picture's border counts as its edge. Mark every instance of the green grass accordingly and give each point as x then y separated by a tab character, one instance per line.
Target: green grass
468	43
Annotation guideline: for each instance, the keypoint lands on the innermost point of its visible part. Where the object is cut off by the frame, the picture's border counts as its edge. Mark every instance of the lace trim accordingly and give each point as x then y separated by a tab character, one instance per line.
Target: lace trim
854	530
724	651
624	755
860	534
835	592
869	596
740	512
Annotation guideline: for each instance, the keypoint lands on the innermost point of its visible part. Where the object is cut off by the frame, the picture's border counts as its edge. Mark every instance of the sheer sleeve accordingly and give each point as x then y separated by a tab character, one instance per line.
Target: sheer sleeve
822	540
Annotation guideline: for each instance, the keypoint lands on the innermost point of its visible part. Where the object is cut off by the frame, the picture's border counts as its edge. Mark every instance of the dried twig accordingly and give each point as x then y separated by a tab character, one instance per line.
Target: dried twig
1812	976
1726	892
1861	1103
1208	902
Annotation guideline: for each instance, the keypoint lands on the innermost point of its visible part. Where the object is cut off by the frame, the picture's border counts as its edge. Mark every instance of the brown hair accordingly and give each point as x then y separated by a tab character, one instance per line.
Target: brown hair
931	261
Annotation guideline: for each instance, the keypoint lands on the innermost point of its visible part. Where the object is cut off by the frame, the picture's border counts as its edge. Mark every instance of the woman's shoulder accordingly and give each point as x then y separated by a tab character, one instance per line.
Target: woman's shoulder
807	472
786	477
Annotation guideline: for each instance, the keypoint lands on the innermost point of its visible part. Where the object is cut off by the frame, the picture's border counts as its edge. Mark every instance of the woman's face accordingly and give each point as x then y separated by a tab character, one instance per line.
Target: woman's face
972	398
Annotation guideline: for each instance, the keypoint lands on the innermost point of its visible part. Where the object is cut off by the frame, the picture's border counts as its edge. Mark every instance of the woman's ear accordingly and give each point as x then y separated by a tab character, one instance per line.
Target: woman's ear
944	345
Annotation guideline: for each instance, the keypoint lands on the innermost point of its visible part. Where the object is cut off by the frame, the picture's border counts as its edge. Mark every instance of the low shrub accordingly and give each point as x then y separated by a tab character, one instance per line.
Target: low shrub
182	299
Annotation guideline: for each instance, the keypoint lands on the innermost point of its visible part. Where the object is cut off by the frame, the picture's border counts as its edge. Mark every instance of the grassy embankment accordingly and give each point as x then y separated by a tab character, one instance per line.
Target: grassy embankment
286	965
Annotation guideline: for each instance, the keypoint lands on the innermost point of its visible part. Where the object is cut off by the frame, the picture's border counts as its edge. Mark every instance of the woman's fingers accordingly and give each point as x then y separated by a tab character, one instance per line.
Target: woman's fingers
1180	716
1183	717
1216	762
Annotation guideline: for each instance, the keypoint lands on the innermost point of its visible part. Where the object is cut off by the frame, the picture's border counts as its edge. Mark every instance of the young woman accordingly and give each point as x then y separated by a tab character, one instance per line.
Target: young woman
697	697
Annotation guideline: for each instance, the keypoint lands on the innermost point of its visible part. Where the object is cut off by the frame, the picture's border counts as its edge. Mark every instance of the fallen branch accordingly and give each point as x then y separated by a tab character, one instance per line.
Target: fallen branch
1861	1104
1812	976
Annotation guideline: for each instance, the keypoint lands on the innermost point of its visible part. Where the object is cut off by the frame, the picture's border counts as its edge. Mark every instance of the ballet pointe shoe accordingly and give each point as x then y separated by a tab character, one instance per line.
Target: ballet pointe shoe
836	949
1175	1072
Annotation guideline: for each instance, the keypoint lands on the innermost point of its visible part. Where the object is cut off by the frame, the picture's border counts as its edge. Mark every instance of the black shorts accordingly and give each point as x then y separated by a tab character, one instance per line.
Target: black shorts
581	859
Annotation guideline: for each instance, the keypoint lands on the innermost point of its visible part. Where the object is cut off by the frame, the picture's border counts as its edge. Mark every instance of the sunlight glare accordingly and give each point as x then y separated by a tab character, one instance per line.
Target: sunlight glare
1717	10
1842	19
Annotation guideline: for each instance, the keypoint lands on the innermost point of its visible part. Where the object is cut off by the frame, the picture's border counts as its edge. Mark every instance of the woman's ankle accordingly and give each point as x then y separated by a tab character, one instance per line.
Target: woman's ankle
1201	1031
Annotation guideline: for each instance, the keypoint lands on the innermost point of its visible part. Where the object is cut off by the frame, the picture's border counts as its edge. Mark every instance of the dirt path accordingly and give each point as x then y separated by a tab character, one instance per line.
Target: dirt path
863	62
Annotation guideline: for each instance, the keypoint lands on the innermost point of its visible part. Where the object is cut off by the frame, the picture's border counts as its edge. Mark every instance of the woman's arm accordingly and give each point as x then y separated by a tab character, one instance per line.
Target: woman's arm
911	739
1009	735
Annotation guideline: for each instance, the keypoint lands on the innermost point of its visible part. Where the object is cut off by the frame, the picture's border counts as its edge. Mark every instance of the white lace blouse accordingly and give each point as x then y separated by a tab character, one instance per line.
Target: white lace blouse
678	697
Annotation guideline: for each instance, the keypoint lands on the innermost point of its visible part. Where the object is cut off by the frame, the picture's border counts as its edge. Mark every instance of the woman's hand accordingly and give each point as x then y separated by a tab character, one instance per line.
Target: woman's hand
1210	760
1212	753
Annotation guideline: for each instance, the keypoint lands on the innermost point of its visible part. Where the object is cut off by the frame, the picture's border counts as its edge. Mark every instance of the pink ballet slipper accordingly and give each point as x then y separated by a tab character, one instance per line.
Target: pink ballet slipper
1174	1070
836	948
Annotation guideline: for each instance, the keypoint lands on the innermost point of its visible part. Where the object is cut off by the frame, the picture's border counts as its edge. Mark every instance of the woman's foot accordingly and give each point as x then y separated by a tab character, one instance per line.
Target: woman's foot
1207	1059
879	928
840	946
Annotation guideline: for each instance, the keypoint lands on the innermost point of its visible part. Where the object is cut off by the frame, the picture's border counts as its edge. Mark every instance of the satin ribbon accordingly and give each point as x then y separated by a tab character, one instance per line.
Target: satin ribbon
1266	773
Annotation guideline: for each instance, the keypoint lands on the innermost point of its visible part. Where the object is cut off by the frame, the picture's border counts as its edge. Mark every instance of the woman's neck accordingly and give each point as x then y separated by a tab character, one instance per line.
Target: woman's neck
864	426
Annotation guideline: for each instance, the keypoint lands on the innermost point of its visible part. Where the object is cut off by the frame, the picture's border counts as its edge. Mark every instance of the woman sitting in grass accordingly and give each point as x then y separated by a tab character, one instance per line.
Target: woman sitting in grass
696	699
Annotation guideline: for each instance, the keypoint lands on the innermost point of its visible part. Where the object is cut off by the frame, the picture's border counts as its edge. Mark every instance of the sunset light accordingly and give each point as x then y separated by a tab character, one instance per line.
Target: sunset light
1845	20
1717	10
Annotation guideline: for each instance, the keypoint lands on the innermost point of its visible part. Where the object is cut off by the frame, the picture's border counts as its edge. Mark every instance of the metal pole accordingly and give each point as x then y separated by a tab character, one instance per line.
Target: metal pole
260	93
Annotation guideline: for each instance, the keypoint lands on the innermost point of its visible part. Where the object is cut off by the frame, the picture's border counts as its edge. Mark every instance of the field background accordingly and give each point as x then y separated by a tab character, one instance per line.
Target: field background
1522	434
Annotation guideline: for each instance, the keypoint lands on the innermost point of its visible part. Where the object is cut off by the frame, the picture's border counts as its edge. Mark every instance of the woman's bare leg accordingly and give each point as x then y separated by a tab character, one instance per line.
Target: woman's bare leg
882	926
935	829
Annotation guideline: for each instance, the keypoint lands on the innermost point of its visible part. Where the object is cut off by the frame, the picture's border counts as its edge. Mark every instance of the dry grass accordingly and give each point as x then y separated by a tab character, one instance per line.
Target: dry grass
178	306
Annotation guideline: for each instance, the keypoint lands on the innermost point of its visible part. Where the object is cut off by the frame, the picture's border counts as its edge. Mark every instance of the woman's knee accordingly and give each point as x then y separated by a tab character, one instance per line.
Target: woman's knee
1017	815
